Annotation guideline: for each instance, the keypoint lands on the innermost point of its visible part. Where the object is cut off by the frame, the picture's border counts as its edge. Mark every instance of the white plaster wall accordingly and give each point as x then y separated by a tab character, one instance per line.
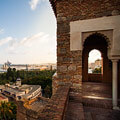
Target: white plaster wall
111	23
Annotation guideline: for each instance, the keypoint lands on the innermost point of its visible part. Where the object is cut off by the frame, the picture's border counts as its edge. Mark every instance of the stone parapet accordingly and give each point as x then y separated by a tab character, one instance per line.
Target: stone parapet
56	107
24	113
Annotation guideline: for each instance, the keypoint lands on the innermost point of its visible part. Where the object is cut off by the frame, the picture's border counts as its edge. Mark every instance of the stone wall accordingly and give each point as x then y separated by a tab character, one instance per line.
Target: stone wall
55	109
72	10
24	113
95	77
69	63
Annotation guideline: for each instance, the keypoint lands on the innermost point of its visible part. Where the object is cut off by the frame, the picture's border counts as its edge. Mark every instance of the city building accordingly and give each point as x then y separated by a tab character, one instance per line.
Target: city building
28	67
3	98
22	92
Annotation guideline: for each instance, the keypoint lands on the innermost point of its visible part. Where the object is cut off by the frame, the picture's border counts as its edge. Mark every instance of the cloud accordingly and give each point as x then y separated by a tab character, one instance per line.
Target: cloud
5	40
38	48
28	42
1	31
34	3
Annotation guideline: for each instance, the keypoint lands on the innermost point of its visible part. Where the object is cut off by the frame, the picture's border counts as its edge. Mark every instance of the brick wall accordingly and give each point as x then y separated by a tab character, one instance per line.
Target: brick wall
56	107
71	10
69	63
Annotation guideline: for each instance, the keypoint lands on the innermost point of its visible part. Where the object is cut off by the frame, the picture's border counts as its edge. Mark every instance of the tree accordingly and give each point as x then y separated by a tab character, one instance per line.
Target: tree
7	111
36	77
48	91
9	73
97	70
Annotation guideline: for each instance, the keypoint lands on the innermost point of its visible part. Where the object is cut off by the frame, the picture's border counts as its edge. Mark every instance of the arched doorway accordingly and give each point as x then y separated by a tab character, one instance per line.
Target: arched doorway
96	41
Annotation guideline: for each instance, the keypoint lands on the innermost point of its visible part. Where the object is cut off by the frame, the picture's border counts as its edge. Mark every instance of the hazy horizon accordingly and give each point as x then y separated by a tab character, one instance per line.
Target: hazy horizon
29	63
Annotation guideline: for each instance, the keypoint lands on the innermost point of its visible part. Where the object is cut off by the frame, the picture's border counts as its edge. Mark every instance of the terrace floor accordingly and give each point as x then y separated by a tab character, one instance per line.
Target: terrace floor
96	103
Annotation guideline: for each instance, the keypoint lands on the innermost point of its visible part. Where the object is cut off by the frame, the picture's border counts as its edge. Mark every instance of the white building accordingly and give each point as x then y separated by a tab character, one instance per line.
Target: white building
22	92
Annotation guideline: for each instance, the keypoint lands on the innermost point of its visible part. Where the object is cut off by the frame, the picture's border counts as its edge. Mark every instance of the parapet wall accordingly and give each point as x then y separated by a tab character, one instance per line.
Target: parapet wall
56	107
24	113
54	110
95	77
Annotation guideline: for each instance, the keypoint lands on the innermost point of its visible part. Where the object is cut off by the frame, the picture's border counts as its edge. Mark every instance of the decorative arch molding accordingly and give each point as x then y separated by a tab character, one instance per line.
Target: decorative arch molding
107	35
109	27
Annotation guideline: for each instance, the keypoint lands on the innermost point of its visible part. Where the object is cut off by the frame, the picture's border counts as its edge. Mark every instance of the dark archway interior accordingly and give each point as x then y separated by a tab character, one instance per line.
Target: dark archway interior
99	42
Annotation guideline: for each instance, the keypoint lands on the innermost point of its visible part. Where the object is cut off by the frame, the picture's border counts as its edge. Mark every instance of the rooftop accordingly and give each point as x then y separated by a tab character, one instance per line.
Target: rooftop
2	97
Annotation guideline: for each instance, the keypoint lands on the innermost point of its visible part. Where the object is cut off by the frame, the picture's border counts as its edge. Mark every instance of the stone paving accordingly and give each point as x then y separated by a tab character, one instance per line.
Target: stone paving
98	97
74	111
96	104
92	113
97	89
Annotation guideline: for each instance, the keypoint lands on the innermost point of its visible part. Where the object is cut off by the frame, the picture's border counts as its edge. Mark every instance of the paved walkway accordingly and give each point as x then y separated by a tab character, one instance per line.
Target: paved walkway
74	111
97	89
95	105
93	113
97	97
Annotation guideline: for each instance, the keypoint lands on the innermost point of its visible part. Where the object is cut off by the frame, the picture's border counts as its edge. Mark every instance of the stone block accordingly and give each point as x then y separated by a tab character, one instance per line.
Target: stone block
62	68
66	59
62	50
59	59
72	68
59	19
77	77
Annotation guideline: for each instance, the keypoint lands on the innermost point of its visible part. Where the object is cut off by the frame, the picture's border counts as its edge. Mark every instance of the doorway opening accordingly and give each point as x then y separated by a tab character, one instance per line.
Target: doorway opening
98	83
95	66
96	42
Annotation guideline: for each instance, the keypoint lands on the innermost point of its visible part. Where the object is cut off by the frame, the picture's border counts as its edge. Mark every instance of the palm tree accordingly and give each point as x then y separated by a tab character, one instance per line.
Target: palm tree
7	111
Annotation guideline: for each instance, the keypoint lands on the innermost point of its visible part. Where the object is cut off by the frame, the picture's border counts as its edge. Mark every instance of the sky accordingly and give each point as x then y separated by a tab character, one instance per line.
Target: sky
94	55
27	32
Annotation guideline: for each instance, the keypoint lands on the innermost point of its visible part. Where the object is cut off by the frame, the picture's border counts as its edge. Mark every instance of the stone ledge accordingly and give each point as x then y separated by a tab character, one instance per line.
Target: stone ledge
56	107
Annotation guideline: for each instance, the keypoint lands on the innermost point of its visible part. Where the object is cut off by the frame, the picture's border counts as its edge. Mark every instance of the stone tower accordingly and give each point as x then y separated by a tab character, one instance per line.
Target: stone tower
83	25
